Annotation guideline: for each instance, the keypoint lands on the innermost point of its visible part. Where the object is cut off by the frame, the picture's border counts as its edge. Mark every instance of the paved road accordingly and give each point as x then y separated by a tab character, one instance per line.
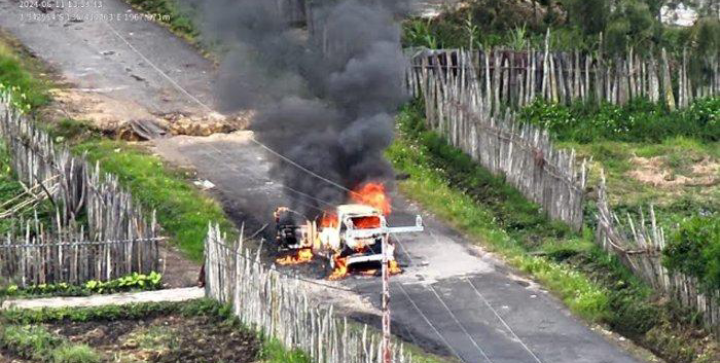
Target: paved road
452	298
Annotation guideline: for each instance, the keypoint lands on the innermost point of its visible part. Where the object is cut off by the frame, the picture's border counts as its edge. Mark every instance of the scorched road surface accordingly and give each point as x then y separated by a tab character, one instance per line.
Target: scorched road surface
451	298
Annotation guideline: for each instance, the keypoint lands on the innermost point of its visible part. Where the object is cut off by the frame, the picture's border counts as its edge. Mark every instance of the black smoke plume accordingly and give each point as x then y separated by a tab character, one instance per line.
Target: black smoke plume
325	98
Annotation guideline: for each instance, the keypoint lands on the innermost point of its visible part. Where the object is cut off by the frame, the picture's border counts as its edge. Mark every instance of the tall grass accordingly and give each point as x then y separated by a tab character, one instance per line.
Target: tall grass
26	88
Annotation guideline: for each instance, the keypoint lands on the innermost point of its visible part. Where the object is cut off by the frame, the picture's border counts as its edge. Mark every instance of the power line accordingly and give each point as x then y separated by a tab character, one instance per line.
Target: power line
447	308
507	326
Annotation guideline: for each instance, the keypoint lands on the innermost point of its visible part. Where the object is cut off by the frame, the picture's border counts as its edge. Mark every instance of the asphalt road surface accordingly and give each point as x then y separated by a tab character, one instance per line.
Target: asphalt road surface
452	297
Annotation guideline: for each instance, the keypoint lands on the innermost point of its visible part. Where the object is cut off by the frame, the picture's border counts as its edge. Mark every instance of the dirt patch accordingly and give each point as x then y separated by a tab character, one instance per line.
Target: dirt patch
164	339
176	269
132	122
657	172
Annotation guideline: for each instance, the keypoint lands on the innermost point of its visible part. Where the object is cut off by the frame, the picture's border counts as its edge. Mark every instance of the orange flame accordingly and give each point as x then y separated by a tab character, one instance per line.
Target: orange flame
329	220
372	194
341	269
303	255
394	268
366	222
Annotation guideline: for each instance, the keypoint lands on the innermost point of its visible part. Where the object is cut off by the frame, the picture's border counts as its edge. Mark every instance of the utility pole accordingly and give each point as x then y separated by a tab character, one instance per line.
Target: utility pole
387	356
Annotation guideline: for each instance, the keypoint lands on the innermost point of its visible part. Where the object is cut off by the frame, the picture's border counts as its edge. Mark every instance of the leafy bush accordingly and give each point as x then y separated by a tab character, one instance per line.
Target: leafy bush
694	249
638	121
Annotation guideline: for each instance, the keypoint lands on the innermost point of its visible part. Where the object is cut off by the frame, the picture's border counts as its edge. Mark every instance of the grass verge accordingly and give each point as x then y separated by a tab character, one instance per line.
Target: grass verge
171	14
182	210
15	72
594	285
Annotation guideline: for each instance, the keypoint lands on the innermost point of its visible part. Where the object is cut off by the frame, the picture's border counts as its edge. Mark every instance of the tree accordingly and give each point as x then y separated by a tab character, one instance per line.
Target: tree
590	16
632	24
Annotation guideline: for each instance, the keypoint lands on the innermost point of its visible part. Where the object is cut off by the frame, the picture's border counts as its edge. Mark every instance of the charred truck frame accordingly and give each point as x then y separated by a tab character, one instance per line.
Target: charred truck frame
352	236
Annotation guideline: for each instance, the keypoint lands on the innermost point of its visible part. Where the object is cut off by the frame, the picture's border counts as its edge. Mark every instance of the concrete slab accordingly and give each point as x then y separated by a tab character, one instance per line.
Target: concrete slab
170	295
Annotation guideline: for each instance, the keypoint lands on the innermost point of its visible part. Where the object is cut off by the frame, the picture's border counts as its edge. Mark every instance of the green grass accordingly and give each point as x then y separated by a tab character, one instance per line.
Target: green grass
37	343
274	352
75	354
26	88
591	283
173	15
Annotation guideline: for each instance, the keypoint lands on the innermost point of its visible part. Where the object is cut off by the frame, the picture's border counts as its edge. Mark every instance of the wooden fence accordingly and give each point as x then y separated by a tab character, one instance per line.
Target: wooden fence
516	78
278	306
456	108
639	245
114	238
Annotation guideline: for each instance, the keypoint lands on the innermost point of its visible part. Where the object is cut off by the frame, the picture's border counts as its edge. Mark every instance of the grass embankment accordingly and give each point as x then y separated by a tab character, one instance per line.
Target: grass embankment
170	13
594	285
183	211
15	73
155	331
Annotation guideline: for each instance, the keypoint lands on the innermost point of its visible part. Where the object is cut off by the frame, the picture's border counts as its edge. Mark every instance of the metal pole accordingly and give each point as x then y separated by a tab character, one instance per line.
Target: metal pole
387	357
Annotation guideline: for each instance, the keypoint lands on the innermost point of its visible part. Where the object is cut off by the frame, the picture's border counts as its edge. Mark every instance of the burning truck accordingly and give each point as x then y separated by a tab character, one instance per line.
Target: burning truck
351	236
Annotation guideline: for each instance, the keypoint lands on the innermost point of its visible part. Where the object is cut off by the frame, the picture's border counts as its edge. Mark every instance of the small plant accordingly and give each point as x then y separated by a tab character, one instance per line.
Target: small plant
518	38
418	33
472	30
132	282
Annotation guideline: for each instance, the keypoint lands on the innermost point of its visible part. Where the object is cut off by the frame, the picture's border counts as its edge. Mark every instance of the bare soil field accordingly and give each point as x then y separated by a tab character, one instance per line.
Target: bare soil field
163	338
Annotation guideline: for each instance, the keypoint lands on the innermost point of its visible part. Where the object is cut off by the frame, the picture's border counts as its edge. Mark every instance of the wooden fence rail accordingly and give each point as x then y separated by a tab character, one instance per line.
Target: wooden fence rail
517	78
114	238
639	245
456	108
278	306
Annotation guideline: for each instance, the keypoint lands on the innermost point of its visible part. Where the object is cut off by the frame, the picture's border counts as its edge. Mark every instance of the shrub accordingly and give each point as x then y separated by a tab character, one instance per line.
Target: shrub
694	249
638	121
